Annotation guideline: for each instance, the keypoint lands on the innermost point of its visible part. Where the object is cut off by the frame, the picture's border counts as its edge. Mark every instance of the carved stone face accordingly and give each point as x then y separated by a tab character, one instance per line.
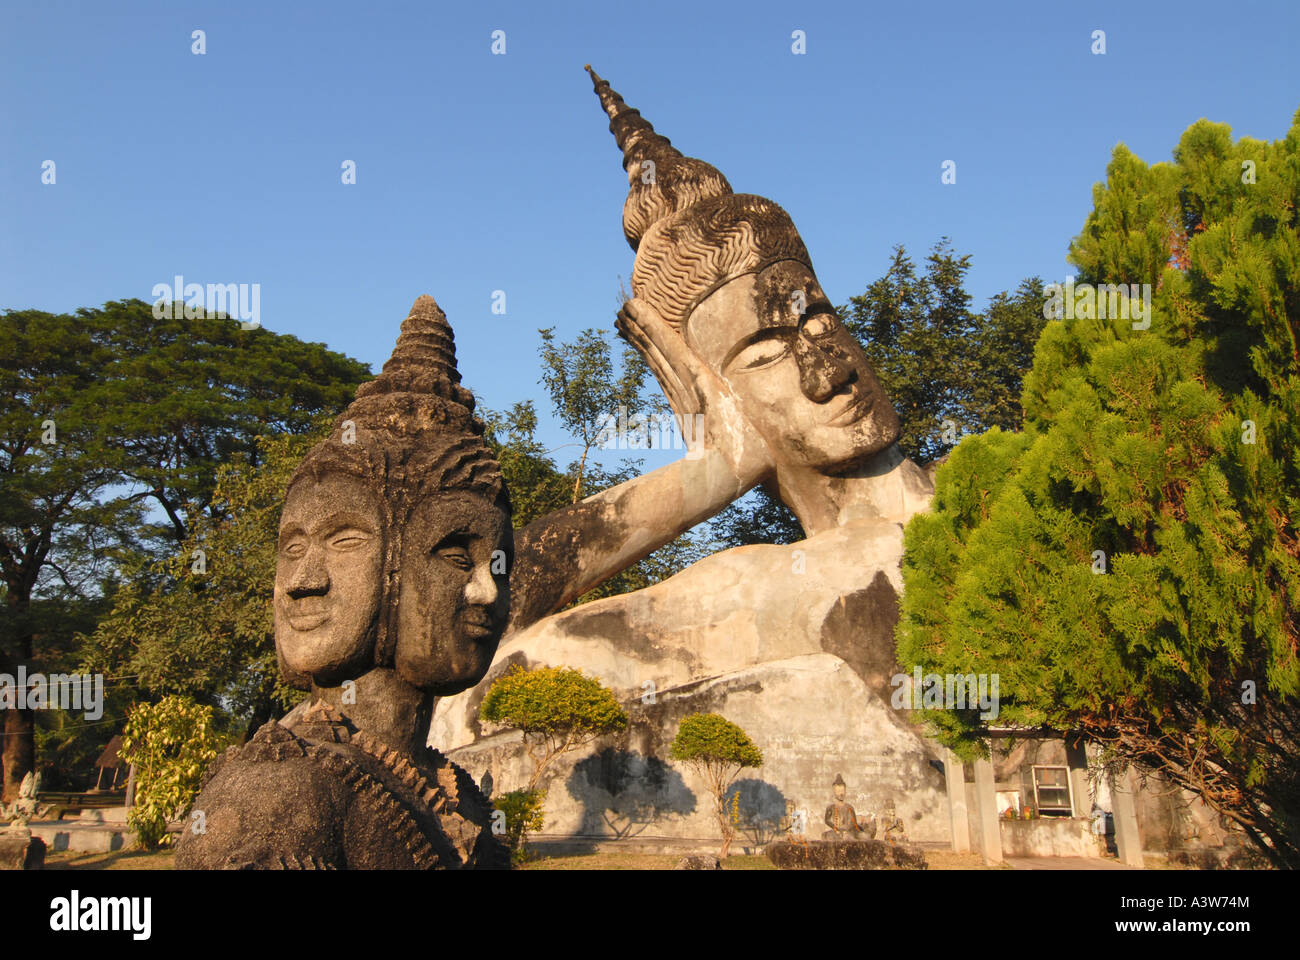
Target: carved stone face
328	578
802	379
455	595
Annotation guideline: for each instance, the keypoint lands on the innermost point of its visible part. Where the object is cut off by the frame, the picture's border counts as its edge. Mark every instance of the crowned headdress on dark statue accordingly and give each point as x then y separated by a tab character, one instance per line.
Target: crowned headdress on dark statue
409	433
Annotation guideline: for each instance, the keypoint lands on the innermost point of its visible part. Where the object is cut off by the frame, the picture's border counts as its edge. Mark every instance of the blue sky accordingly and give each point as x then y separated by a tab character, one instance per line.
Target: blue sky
479	172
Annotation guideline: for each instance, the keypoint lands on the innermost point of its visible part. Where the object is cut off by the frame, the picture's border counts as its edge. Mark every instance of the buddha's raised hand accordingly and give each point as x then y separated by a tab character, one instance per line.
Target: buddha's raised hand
707	409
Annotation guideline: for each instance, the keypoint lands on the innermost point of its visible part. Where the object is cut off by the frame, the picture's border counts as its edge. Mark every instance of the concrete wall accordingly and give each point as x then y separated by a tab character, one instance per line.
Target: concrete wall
627	786
1050	837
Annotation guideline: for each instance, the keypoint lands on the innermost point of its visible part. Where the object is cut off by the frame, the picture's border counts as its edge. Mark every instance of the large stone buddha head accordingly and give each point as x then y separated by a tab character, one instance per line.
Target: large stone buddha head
395	539
731	275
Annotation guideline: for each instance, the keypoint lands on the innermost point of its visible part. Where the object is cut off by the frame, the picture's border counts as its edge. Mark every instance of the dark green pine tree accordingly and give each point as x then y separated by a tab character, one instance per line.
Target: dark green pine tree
1129	563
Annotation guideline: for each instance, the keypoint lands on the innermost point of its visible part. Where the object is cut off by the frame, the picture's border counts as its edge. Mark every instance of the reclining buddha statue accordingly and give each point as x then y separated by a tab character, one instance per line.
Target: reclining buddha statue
794	642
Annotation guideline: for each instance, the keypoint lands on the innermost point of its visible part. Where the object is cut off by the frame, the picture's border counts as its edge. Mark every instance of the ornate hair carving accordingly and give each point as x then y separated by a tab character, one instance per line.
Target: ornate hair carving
692	234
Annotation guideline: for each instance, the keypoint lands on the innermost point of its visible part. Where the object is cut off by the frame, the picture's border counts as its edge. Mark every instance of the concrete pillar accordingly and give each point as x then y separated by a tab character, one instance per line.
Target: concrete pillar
954	774
1076	757
986	803
1124	809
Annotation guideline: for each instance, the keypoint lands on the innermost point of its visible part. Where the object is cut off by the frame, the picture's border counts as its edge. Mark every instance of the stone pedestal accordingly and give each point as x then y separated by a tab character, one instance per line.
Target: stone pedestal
845	855
19	850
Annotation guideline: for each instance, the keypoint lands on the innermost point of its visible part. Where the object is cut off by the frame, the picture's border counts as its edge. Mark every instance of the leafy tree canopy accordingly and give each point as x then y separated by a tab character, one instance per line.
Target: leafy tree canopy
110	412
171	743
1129	563
557	708
553	700
200	622
711	738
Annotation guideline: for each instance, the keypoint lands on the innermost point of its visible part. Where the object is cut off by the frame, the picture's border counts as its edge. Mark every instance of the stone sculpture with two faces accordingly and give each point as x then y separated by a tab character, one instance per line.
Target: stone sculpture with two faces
391	589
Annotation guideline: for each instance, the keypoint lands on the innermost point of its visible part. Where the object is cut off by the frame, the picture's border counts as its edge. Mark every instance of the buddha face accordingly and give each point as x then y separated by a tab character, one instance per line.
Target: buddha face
454	597
802	379
328	577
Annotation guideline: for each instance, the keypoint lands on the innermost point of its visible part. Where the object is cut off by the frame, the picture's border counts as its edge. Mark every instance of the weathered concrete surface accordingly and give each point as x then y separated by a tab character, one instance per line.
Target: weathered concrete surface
1127	837
727	612
990	835
845	855
1050	837
387	594
21	850
812	717
954	773
793	643
1233	855
81	837
1065	863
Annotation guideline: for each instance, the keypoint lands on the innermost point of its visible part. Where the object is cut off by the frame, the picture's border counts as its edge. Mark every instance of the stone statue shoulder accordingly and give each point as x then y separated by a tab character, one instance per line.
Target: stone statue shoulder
322	795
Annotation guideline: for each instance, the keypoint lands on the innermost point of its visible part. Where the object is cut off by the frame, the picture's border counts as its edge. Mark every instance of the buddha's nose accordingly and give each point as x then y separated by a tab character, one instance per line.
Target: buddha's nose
821	374
482	586
310	578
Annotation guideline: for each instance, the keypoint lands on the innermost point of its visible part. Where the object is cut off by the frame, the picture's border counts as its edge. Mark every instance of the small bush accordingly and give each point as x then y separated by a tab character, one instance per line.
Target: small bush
523	815
558	710
719	750
171	743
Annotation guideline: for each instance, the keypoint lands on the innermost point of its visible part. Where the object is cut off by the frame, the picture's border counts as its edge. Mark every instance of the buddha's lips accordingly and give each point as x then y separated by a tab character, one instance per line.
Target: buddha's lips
853	411
307	614
478	623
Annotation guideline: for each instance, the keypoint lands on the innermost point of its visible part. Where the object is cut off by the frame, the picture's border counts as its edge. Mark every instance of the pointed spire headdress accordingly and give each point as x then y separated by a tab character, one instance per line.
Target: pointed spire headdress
691	233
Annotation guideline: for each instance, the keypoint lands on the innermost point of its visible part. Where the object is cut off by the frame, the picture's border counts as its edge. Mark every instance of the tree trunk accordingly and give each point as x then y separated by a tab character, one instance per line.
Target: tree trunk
19	750
724	822
19	753
582	466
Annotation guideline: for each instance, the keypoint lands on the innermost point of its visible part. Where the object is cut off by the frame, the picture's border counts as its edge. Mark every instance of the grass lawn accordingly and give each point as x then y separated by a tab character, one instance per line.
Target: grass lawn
637	861
165	860
117	860
938	860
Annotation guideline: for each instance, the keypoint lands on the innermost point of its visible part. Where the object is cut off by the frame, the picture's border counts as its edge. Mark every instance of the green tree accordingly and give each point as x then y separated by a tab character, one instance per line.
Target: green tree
189	394
1129	563
68	743
718	750
522	811
537	487
110	412
939	361
758	517
200	622
57	467
557	709
171	744
586	394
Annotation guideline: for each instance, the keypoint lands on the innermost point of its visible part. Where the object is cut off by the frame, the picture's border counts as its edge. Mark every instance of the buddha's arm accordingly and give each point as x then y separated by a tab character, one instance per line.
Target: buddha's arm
564	554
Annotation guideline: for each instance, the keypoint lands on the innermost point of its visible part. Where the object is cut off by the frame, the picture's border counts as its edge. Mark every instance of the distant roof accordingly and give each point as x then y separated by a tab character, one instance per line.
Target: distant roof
108	759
